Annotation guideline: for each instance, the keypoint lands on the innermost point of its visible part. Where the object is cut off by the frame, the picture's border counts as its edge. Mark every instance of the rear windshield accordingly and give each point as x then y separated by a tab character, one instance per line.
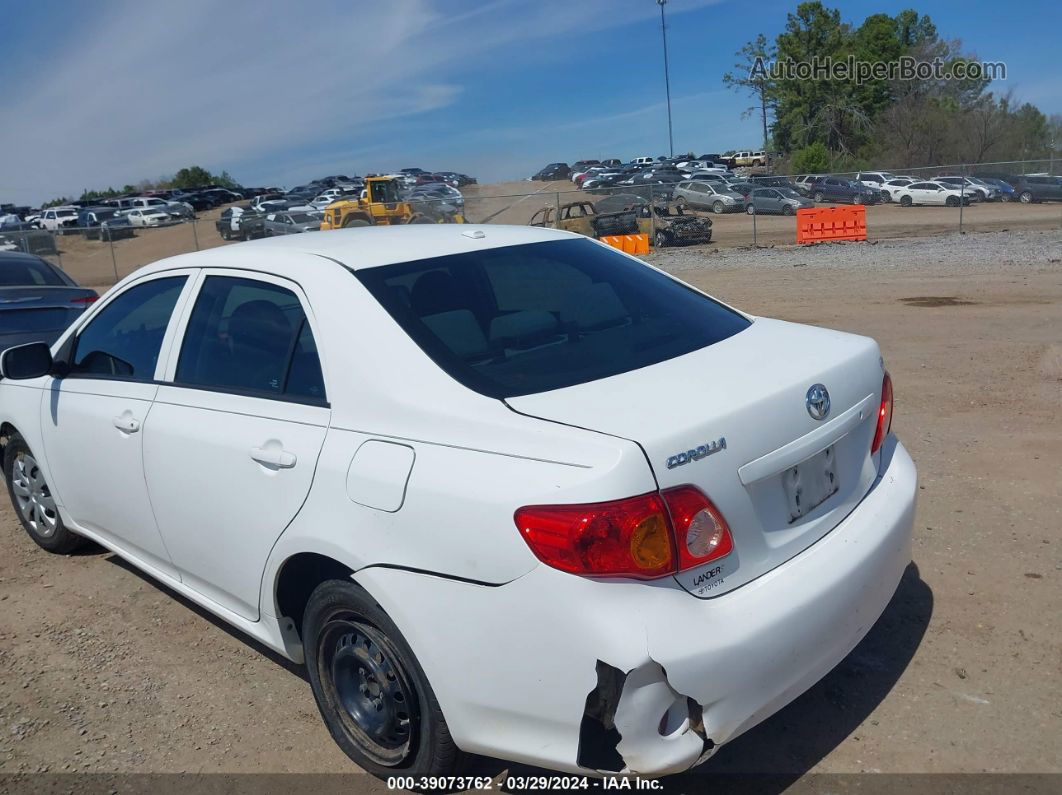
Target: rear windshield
531	318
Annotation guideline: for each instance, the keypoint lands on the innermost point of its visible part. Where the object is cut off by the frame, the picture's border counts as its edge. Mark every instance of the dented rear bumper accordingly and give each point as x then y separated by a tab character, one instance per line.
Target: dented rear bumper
618	676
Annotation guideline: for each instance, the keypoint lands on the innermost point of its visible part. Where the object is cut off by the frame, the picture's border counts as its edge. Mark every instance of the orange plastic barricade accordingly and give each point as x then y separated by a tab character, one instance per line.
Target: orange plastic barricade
629	244
826	224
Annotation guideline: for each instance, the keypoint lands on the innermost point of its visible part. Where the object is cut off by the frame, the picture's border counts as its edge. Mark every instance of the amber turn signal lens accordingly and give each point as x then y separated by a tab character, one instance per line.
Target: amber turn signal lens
650	543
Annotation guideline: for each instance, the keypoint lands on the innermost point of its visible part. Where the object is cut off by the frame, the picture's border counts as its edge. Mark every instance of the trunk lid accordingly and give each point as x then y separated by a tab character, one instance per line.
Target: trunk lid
733	420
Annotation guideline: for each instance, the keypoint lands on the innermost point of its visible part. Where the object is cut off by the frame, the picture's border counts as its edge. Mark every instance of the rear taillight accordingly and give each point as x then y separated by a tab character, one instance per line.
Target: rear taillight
85	300
645	537
701	532
884	415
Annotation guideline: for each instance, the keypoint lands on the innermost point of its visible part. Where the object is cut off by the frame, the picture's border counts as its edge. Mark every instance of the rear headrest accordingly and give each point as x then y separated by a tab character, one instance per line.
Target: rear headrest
594	306
460	332
523	326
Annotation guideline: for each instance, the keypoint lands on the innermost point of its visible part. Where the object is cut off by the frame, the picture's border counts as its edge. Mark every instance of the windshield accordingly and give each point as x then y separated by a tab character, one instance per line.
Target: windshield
524	319
789	193
385	192
19	271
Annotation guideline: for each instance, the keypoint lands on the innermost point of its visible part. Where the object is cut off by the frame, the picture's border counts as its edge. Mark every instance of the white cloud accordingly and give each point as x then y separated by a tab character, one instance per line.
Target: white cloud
147	88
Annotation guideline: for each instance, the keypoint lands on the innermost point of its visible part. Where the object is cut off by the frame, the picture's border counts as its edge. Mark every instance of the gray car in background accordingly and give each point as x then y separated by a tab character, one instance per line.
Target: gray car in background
290	223
714	196
777	201
37	299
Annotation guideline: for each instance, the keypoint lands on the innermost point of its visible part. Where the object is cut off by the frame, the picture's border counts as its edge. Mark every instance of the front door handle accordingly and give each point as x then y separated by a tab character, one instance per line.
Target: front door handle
126	423
274	457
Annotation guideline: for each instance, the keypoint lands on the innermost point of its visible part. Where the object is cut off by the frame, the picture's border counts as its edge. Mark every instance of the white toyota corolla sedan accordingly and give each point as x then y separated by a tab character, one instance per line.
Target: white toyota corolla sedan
505	490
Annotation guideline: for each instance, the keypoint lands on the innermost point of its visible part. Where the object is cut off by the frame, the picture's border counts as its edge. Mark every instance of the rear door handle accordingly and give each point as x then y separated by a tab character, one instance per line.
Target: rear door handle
126	423
281	459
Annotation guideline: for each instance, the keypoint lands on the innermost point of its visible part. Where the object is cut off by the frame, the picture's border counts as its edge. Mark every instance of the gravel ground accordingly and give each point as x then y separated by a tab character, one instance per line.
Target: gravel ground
970	253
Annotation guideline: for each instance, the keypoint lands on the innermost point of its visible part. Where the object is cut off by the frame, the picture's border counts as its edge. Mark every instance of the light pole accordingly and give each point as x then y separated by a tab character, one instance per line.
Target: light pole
667	79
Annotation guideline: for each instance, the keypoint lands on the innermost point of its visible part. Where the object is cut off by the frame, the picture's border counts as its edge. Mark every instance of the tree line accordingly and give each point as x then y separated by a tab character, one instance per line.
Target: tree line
821	124
190	177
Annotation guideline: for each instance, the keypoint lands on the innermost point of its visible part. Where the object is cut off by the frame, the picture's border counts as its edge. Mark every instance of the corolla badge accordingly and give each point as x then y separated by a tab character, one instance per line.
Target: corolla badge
818	402
697	453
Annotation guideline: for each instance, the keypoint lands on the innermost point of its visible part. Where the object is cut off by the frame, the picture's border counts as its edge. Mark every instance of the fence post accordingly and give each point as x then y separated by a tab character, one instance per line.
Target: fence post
195	232
57	236
755	244
556	210
652	218
962	195
114	260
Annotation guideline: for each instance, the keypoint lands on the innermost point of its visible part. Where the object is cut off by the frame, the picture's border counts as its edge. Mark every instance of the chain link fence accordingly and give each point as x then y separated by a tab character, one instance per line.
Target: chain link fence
672	214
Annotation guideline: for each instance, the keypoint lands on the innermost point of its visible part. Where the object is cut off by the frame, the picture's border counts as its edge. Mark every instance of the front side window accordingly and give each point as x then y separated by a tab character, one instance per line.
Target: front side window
531	318
250	337
124	339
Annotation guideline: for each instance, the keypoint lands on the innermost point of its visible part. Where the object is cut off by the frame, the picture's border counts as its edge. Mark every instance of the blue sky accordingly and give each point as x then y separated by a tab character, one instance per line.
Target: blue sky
105	93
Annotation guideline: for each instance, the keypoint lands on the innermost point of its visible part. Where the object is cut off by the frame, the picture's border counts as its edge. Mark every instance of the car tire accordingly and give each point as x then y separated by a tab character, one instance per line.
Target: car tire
1026	197
906	201
661	240
756	163
787	209
818	197
750	209
951	201
225	233
371	691
718	208
33	501
1005	198
885	197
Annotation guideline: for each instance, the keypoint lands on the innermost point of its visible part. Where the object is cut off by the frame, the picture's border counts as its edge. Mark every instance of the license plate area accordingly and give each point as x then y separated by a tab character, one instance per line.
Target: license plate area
810	483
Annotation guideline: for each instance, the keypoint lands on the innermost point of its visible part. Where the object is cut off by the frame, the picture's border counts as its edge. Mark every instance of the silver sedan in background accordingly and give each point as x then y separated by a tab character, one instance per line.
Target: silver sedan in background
714	196
291	223
784	201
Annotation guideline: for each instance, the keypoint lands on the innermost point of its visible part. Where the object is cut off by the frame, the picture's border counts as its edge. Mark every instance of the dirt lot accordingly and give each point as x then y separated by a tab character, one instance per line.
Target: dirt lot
92	264
102	670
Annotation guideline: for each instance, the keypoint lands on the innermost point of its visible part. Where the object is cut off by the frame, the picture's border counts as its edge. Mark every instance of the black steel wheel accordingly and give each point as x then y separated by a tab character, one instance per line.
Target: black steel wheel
370	689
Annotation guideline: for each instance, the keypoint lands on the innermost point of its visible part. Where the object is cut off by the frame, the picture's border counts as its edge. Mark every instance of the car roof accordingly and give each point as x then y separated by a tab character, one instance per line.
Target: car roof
361	247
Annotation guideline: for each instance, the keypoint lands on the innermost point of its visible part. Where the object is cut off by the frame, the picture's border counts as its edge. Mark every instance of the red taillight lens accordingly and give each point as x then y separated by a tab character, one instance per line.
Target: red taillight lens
701	532
884	415
645	537
85	300
626	537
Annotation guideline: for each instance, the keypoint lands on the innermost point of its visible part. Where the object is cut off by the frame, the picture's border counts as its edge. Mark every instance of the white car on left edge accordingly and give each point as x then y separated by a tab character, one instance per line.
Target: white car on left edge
505	490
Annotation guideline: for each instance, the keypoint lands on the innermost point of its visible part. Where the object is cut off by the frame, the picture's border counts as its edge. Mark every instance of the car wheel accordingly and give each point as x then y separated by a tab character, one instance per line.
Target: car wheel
225	233
355	222
818	196
1005	198
1025	197
951	201
751	209
718	208
885	197
370	689
33	501
787	209
905	201
756	163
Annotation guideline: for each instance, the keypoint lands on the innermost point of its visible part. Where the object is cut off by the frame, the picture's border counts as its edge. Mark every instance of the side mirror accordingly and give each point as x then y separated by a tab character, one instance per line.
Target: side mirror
23	362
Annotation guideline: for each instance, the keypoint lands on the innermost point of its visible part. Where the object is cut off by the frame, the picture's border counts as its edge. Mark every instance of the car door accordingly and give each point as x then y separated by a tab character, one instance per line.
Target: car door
235	432
93	418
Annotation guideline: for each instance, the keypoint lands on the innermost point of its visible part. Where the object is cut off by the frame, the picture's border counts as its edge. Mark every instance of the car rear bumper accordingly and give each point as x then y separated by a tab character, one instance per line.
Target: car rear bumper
534	669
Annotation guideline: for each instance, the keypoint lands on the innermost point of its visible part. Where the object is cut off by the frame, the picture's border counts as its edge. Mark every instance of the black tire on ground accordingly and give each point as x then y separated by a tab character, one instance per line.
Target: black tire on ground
718	208
756	163
32	500
818	197
1005	198
370	689
1026	197
885	197
661	239
951	201
751	209
226	233
787	209
905	201
355	222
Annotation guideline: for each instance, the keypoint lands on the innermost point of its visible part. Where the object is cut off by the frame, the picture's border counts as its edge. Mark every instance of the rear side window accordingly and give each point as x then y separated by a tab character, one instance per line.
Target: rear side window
124	339
250	337
523	319
29	271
